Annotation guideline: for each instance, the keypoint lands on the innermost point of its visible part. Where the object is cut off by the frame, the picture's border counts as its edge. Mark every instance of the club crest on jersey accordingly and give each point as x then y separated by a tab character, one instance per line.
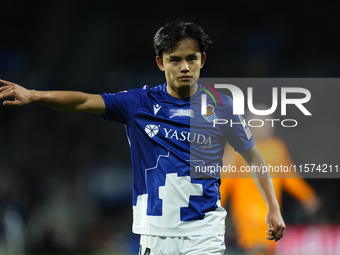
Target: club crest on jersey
210	115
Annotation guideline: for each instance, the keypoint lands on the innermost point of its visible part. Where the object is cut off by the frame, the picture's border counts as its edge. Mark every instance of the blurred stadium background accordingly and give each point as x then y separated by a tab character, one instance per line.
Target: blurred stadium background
65	179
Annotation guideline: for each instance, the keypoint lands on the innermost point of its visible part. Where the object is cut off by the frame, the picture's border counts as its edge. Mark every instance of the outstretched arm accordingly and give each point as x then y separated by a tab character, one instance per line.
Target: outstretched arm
62	100
275	223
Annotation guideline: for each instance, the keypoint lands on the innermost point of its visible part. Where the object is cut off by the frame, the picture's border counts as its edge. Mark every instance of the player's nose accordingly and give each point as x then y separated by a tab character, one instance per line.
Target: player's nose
184	66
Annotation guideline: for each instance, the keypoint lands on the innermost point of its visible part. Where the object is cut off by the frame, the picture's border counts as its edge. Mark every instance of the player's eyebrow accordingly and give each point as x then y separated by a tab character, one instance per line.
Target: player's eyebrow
193	55
174	56
190	55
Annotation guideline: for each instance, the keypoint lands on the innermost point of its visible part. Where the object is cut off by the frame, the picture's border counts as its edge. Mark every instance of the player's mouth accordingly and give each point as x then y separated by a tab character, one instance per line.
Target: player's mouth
185	78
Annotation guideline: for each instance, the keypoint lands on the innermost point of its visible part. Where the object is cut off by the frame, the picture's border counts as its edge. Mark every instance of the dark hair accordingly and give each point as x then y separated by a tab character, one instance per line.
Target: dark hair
172	33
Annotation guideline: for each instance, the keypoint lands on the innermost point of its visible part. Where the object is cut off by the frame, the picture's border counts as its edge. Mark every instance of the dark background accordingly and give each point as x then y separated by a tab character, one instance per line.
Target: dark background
66	178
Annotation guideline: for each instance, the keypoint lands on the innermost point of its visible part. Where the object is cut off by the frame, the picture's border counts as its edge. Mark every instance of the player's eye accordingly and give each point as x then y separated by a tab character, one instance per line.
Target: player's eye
192	58
175	60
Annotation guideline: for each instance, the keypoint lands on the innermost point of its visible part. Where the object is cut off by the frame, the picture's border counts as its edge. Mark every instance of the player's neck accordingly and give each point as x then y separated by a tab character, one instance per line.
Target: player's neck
183	92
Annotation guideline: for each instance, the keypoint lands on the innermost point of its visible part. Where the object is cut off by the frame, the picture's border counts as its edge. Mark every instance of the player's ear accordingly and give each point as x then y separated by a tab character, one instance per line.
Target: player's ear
204	56
160	63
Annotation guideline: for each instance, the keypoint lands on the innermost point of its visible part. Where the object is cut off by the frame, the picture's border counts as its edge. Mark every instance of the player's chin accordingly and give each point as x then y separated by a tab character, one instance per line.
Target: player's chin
184	86
186	83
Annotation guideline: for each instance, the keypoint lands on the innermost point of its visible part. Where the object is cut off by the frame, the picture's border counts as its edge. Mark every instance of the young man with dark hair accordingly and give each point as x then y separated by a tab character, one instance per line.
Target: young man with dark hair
174	212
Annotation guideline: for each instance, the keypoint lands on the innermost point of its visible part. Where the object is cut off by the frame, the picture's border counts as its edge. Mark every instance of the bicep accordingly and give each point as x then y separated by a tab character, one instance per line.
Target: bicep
94	104
252	156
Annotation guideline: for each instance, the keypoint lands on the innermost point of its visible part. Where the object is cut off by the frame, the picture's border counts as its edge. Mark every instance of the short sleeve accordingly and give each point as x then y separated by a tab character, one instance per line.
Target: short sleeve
121	106
238	133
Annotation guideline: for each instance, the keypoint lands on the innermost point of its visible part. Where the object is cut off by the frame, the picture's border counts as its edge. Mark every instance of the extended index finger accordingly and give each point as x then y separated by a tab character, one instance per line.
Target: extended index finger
6	82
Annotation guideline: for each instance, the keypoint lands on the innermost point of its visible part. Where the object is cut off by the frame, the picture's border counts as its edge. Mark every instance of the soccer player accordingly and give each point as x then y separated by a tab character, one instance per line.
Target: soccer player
173	211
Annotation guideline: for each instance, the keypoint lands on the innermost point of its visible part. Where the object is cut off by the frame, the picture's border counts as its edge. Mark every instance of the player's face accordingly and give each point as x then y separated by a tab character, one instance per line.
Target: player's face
182	68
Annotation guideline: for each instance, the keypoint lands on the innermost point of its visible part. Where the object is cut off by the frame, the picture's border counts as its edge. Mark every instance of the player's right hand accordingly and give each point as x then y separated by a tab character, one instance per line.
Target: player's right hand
11	90
276	225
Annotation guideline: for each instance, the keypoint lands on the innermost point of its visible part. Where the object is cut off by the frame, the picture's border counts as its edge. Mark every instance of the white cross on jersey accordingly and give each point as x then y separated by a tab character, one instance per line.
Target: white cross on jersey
177	190
175	194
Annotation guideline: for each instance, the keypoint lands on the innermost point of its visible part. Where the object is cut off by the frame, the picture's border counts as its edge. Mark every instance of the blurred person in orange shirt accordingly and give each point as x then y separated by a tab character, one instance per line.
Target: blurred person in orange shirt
246	204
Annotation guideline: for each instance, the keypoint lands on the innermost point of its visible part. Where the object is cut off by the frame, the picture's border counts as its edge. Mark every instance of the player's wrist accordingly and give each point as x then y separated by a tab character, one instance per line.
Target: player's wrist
274	207
39	97
33	96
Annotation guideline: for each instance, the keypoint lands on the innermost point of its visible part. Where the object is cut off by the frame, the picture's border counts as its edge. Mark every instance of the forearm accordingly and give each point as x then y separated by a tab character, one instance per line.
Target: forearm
262	180
266	189
264	183
73	101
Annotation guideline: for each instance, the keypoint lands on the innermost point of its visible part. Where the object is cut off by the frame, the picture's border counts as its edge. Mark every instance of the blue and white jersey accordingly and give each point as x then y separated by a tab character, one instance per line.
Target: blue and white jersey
169	138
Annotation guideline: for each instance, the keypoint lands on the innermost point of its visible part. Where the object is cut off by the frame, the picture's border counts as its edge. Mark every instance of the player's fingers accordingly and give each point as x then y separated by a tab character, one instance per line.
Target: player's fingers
3	88
280	233
274	233
269	231
12	103
270	234
270	237
15	102
6	93
7	82
277	233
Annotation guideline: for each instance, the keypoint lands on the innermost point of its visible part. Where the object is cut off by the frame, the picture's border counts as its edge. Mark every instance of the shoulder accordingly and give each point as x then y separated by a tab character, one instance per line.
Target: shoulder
147	91
136	92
